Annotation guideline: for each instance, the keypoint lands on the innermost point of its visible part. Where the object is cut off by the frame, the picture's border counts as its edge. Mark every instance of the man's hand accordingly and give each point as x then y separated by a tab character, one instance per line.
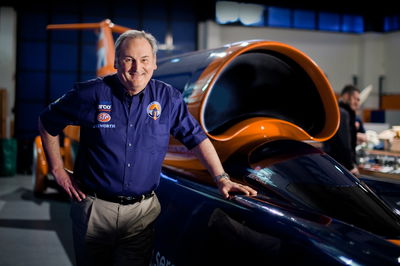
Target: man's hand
51	145
226	185
208	156
66	181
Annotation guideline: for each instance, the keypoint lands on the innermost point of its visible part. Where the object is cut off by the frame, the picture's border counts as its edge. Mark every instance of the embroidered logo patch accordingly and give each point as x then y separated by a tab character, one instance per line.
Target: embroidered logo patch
103	117
104	113
104	107
154	110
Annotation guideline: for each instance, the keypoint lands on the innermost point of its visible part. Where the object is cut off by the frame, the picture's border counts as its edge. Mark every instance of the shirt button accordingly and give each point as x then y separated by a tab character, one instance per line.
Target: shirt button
129	165
129	144
131	125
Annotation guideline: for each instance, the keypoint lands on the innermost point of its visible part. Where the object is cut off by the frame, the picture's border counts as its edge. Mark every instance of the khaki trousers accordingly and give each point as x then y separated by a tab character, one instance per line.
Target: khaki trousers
107	233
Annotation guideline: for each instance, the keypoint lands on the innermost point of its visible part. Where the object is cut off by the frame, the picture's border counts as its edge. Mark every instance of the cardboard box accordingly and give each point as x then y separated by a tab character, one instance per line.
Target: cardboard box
395	145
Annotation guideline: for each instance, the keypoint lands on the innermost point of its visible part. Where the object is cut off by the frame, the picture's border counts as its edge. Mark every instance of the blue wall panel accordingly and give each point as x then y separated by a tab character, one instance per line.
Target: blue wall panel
64	57
304	19
279	17
32	55
89	36
70	36
155	20
352	23
184	28
329	21
32	26
60	83
130	22
89	58
26	124
31	86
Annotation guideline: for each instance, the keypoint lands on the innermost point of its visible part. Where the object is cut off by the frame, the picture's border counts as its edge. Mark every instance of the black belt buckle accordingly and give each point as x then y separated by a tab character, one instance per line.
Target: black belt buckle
130	200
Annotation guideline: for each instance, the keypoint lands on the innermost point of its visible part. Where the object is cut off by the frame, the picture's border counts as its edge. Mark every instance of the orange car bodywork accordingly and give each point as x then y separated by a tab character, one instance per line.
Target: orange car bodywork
258	130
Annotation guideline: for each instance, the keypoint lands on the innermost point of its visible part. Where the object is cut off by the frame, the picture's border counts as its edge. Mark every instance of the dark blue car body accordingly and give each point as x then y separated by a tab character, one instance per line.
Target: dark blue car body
309	211
260	103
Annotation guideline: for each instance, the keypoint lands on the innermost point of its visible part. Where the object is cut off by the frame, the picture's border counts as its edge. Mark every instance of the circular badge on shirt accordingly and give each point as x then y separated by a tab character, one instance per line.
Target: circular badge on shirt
103	117
154	110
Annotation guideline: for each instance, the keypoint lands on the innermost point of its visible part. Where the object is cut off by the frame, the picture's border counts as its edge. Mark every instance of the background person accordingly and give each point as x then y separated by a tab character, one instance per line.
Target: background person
342	146
361	132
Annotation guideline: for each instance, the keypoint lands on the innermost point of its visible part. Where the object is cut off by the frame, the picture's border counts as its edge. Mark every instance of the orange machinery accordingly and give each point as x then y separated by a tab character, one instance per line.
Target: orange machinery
246	94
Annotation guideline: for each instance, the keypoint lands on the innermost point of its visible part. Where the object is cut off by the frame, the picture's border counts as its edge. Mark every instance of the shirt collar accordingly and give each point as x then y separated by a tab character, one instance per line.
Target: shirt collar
114	82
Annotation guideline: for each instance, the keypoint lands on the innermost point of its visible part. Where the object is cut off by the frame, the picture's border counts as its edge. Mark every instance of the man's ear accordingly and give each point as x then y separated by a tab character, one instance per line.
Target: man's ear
155	62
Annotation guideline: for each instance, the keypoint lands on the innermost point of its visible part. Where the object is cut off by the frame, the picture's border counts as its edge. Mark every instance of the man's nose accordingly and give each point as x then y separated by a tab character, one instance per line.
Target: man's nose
134	66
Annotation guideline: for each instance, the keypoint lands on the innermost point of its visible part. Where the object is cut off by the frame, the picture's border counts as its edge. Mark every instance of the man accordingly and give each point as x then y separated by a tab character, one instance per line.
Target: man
342	146
361	132
126	120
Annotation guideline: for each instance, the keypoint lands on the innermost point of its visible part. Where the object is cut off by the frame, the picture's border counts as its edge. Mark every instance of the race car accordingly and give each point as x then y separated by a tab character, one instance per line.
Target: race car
263	104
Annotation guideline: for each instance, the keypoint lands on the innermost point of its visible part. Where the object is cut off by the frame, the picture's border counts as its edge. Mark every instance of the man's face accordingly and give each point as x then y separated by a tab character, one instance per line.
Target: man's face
135	64
353	100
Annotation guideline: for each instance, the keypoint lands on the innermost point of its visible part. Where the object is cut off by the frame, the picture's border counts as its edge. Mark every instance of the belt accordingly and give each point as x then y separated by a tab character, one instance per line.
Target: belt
123	200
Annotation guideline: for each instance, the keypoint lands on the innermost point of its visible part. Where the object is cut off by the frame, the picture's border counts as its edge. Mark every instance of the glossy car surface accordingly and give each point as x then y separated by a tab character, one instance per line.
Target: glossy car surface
260	102
309	211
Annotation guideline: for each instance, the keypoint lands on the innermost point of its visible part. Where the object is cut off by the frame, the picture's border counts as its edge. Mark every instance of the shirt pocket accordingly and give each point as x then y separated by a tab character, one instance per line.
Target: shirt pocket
154	138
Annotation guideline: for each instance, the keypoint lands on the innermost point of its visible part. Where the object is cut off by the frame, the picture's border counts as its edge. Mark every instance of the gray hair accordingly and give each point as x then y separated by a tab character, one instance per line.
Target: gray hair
133	34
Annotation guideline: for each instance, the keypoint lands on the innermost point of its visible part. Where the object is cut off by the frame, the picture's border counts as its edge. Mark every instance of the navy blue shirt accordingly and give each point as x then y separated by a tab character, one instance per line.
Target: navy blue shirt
123	139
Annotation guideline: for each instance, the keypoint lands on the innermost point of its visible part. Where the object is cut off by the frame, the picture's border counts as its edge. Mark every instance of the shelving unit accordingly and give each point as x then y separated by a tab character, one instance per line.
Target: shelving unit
380	163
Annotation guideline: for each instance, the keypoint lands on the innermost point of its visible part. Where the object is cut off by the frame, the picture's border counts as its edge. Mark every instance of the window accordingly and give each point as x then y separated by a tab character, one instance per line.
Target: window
391	23
304	19
279	17
229	12
329	21
352	23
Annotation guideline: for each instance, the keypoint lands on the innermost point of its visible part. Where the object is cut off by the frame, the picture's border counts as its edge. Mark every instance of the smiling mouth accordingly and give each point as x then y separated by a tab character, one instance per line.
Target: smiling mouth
137	74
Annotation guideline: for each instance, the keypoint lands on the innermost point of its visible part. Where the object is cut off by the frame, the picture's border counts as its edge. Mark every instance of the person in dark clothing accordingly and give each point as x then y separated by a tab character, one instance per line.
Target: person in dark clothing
342	146
360	125
361	132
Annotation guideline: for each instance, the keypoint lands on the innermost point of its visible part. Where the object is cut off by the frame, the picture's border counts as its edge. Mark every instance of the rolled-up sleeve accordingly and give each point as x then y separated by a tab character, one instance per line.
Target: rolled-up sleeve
185	127
62	112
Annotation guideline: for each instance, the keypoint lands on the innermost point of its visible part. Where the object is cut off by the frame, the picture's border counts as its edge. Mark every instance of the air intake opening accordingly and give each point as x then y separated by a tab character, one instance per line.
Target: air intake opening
264	83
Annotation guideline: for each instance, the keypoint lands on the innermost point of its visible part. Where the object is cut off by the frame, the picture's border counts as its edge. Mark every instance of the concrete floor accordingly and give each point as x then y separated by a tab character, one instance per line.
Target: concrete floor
33	230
